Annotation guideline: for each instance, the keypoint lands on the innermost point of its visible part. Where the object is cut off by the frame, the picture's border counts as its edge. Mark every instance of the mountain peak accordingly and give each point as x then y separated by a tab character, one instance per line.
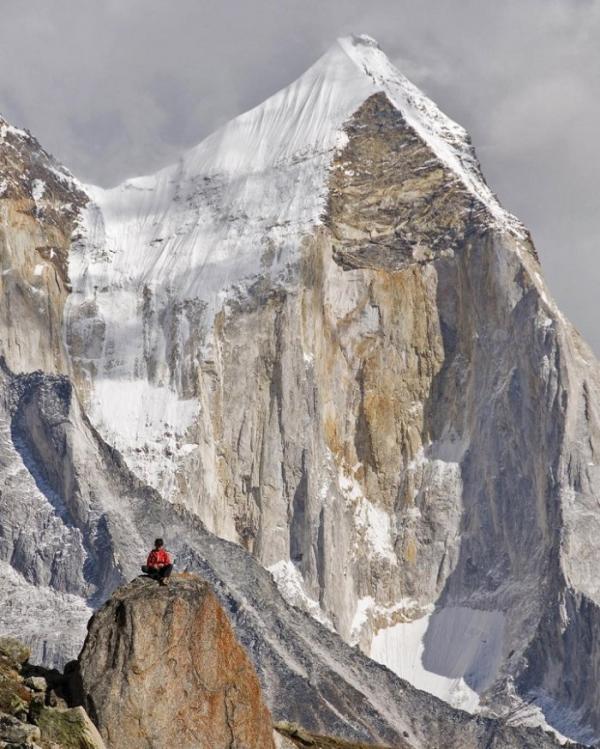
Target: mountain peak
304	122
358	40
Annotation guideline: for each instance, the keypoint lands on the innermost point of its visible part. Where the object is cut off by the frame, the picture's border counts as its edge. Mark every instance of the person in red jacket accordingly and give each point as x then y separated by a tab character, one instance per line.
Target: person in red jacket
159	564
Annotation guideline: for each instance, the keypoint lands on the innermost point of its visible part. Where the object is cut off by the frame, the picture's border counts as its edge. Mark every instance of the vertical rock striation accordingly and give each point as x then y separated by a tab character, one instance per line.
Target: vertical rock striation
40	204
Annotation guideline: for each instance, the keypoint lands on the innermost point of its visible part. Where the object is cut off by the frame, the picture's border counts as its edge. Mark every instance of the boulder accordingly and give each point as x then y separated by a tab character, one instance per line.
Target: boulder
37	683
69	729
161	667
14	695
14	731
14	650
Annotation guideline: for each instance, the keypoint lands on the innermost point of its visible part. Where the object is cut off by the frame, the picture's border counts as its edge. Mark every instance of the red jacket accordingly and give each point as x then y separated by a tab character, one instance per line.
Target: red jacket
158	558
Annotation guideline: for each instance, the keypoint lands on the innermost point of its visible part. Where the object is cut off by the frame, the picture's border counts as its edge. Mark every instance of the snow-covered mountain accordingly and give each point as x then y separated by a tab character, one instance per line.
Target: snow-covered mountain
321	335
164	255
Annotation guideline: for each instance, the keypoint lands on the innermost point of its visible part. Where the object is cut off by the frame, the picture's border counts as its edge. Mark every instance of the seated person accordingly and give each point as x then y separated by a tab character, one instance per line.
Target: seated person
159	564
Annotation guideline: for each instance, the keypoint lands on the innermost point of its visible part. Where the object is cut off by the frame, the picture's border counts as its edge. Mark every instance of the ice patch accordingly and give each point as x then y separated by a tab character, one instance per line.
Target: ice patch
38	188
290	584
361	618
453	653
369	614
341	140
541	287
374	524
146	423
117	408
542	320
6	128
418	461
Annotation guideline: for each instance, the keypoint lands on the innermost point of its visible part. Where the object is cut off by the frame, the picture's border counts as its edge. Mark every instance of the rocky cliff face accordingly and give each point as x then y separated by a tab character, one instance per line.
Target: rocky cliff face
319	334
40	203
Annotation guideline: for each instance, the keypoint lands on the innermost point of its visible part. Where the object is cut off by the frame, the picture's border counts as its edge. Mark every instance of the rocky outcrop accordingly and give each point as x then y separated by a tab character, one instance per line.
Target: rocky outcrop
291	736
162	667
59	480
31	713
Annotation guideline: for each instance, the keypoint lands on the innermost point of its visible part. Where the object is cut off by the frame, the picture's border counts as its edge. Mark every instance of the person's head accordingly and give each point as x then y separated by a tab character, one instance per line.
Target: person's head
158	543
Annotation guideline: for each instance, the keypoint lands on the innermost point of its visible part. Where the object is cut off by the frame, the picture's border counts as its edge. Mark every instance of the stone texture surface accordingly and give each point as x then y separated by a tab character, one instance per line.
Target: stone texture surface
40	204
15	697
27	718
14	651
68	729
290	737
37	683
16	732
391	202
162	667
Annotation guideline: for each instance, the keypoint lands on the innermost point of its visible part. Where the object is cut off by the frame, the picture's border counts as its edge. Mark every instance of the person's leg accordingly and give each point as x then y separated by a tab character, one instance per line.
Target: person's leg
164	573
145	570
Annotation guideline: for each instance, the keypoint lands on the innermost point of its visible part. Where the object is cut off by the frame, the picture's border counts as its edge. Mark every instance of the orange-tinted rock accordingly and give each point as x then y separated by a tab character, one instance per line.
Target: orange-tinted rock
161	667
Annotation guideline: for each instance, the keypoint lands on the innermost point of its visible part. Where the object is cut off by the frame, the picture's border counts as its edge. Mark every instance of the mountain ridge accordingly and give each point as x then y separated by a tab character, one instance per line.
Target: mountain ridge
344	359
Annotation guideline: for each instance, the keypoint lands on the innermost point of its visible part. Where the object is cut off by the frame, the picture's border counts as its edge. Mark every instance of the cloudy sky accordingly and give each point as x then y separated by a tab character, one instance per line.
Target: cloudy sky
116	88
